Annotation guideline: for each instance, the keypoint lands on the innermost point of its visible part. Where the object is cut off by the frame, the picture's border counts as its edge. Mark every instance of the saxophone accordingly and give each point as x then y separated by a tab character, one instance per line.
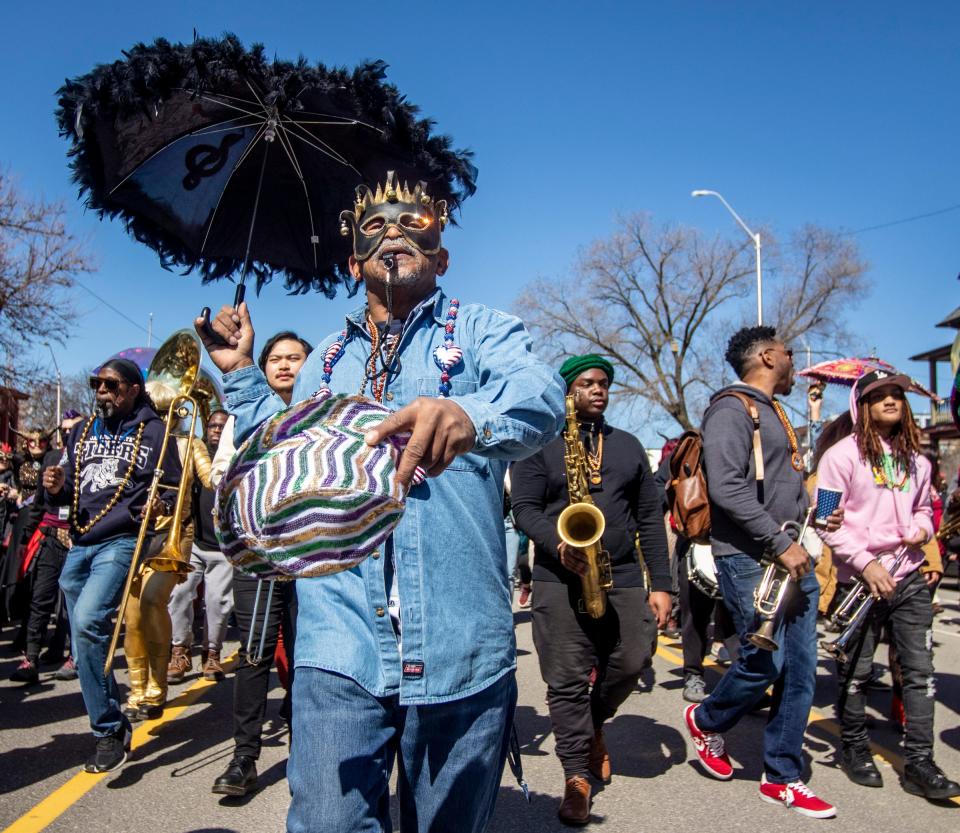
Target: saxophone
581	524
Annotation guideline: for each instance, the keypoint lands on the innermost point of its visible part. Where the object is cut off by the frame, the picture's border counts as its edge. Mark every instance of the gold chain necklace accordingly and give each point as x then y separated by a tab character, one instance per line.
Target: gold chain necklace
78	470
796	460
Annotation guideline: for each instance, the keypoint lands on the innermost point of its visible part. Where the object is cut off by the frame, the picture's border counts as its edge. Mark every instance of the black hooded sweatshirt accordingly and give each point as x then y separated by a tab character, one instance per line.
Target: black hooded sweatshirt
105	458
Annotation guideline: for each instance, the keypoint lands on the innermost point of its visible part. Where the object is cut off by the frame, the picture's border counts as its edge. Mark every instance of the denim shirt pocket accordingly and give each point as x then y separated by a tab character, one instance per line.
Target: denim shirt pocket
458	387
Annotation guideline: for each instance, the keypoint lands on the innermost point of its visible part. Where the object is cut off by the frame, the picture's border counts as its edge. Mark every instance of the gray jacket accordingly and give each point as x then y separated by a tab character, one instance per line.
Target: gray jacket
746	515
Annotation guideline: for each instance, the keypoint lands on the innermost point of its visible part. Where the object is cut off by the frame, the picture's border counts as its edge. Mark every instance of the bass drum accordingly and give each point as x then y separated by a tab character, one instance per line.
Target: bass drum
702	571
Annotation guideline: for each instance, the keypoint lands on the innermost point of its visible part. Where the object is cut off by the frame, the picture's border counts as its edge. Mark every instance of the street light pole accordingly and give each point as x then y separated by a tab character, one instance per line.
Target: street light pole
755	237
59	382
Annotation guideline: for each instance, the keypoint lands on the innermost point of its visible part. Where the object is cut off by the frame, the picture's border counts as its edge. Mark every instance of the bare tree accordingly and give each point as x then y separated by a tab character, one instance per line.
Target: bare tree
40	410
661	301
39	261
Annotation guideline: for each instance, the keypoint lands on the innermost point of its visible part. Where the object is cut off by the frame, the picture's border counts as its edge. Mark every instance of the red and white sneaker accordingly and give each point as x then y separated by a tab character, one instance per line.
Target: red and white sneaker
710	748
797	796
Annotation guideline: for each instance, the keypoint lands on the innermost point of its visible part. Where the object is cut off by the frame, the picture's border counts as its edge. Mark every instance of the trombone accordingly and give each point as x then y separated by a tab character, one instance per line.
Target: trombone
770	593
174	368
852	612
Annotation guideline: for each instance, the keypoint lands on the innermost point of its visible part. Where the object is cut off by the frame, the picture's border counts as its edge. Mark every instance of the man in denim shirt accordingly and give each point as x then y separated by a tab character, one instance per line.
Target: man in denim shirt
412	652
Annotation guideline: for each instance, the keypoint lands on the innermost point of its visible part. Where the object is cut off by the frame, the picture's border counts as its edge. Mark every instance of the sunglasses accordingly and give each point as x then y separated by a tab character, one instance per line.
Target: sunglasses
112	385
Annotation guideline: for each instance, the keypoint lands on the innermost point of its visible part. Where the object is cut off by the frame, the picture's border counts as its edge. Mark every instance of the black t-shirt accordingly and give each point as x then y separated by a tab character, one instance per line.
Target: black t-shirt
203	534
627	496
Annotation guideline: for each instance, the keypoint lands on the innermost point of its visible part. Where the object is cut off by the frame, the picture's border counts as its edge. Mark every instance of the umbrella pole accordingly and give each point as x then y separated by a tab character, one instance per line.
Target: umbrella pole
269	135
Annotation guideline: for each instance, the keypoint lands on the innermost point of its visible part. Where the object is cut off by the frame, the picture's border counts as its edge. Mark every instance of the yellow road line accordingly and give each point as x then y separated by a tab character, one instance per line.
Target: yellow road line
820	719
61	799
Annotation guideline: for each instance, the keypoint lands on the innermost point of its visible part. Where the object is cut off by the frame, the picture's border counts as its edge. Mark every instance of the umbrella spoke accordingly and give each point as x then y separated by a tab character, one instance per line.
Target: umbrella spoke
292	156
216	98
319	144
243	156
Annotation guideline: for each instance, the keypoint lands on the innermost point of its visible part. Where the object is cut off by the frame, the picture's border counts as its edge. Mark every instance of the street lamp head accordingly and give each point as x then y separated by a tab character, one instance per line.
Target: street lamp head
701	193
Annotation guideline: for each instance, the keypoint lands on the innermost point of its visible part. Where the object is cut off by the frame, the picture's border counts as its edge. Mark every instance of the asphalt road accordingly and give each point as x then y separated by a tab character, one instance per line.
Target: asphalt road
165	786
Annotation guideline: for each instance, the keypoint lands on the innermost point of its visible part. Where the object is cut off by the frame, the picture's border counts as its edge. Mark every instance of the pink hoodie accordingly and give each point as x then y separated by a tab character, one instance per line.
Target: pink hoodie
876	518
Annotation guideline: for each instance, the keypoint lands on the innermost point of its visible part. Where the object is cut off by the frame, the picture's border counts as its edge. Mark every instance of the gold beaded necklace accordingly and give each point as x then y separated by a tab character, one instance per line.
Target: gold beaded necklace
78	469
796	460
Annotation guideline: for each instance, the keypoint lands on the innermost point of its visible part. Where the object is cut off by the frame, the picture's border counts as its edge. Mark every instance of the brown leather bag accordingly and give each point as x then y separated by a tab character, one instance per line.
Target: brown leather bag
687	494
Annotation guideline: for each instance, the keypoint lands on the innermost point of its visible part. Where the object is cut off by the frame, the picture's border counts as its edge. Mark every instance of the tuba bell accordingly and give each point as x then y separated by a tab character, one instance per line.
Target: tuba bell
171	379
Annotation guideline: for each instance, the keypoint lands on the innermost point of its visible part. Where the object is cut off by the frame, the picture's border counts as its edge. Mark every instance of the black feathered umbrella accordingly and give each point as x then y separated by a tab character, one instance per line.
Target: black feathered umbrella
226	162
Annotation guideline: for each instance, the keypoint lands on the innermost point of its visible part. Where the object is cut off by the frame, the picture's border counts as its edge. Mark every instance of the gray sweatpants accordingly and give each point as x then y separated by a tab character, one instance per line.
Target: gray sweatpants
217	575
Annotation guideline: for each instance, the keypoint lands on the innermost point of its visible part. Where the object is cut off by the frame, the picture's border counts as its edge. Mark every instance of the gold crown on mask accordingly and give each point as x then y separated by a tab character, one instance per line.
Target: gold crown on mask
391	191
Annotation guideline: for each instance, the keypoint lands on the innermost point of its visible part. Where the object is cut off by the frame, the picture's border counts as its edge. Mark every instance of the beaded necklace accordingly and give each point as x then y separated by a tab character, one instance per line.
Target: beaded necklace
445	357
78	469
378	381
886	475
796	460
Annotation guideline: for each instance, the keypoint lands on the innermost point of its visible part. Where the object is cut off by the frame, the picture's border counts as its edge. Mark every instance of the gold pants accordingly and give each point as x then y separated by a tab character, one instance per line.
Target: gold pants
147	640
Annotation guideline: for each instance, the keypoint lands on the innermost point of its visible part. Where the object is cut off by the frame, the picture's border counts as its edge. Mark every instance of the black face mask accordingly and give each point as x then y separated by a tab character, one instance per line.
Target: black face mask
415	223
417	217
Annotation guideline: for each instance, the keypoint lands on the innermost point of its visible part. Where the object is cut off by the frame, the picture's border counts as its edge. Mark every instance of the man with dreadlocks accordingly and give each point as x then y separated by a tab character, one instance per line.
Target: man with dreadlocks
886	493
105	480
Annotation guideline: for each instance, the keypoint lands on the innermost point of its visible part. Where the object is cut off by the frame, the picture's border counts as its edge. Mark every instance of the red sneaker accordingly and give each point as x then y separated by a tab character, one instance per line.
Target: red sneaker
709	746
797	796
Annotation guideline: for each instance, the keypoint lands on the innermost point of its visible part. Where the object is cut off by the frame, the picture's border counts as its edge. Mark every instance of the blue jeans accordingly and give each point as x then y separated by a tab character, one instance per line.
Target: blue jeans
791	669
92	582
345	740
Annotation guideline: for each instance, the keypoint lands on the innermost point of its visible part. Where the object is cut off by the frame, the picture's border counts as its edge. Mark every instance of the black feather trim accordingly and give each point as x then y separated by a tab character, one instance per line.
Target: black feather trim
91	107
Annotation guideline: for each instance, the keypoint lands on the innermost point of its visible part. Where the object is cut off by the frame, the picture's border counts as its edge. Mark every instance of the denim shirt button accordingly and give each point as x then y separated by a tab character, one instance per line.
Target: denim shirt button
389	396
375	554
380	611
487	433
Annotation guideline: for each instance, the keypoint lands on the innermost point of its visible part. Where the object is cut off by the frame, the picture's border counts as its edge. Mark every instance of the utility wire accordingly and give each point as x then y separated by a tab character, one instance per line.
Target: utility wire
906	220
106	303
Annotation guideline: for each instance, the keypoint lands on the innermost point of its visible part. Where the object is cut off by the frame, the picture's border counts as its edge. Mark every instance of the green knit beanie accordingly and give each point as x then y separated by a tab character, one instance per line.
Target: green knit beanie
575	365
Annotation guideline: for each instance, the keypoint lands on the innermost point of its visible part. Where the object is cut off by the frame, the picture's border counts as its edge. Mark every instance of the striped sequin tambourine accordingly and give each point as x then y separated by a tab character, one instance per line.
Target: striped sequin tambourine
305	495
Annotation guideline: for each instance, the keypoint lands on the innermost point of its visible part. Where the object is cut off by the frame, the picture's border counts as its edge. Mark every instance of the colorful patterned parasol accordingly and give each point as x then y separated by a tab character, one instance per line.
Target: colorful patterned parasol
846	371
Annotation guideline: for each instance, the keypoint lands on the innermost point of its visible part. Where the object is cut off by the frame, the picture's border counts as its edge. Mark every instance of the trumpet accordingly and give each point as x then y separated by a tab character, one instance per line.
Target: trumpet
581	523
178	363
770	593
852	612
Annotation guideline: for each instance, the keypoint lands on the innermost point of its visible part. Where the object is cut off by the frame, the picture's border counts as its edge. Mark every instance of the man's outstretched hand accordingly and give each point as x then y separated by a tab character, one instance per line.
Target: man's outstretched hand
235	329
439	431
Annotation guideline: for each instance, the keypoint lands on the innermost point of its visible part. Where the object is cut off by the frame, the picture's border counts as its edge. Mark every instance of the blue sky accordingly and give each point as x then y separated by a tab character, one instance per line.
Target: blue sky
844	115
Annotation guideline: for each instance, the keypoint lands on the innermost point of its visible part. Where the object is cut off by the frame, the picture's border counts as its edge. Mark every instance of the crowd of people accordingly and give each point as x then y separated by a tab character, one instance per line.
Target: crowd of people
414	647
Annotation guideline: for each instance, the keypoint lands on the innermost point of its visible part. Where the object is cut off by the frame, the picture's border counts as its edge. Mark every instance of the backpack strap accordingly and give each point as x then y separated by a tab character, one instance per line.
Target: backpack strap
754	413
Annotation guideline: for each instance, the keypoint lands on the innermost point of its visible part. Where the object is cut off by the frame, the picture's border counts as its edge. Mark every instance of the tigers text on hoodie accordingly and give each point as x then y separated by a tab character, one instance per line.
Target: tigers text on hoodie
107	454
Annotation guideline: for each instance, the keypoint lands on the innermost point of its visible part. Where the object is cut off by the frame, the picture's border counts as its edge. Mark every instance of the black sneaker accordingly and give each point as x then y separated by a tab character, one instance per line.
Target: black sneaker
857	763
239	778
111	752
26	672
927	779
67	671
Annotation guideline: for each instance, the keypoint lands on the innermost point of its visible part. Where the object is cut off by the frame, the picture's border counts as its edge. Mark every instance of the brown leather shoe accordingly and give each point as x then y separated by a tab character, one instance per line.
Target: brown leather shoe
180	663
575	807
599	760
212	669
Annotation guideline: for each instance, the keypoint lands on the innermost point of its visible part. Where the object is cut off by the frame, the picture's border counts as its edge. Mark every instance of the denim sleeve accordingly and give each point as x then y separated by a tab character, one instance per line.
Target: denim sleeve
518	407
250	400
727	452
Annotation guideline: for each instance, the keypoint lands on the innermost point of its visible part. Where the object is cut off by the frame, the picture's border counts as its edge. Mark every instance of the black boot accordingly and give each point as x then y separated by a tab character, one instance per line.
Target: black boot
857	763
239	778
925	778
